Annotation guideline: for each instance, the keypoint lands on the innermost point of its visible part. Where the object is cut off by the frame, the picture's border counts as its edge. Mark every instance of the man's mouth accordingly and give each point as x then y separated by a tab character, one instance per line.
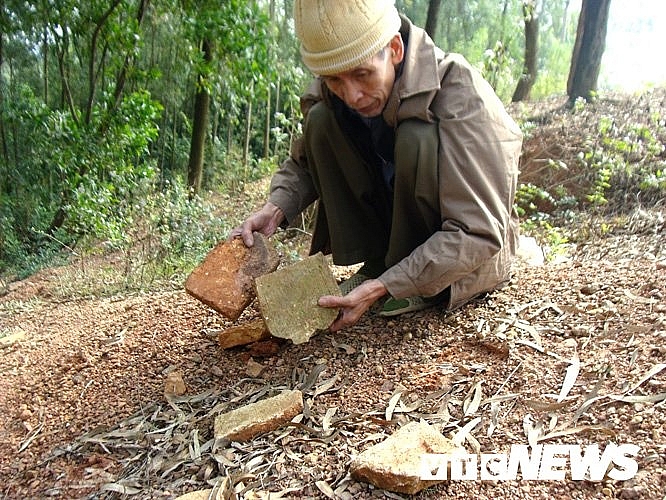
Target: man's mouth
366	110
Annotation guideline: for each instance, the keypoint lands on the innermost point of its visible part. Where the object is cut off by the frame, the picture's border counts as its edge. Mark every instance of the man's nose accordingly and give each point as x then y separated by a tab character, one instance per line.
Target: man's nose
352	93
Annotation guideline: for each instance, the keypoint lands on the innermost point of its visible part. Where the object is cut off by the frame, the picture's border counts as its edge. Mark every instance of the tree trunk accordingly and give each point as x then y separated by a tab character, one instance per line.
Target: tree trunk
45	54
505	10
565	22
248	132
129	58
92	74
67	99
3	135
588	50
267	131
433	17
277	109
529	75
200	122
61	213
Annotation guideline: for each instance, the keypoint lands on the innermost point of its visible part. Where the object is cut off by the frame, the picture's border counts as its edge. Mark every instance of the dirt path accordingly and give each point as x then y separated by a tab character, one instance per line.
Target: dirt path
81	385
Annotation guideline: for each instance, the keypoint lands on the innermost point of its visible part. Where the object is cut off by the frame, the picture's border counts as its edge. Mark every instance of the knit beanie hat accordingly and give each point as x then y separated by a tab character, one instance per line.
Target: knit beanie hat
338	35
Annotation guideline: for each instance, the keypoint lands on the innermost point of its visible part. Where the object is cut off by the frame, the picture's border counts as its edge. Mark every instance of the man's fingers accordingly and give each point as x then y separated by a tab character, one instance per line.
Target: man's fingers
331	301
248	239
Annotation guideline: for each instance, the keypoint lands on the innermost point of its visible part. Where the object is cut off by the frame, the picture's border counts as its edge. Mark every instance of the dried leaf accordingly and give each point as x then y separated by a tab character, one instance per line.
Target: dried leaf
443	413
325	386
655	398
472	400
120	488
474	443
408	408
543	406
195	447
494	412
254	463
325	488
577	430
312	377
570	378
655	369
461	435
533	430
531	344
392	404
377	436
642	300
31	438
326	421
591	396
526	327
499	399
345	347
171	467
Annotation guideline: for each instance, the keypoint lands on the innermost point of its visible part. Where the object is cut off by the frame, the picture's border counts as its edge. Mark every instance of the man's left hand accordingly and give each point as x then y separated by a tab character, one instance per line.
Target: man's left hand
354	304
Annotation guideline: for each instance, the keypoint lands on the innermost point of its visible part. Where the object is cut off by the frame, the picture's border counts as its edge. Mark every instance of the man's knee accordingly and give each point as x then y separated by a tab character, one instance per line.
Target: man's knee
319	121
414	135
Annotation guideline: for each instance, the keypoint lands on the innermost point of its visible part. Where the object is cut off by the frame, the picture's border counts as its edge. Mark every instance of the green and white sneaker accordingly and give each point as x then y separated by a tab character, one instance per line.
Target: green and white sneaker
354	280
395	307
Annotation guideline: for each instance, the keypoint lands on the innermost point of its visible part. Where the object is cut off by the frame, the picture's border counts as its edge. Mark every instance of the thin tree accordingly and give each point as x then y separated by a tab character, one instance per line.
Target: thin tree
529	75
433	17
200	122
588	50
3	137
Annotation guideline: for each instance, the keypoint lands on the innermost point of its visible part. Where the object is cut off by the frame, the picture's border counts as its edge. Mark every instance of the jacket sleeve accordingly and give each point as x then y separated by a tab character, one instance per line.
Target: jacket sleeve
477	175
291	186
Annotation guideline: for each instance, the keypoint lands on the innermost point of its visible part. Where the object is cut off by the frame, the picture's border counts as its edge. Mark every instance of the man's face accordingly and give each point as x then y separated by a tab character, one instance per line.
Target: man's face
367	87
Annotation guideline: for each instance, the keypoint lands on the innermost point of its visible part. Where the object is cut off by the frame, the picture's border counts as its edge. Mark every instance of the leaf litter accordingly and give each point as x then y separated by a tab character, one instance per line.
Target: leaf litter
572	352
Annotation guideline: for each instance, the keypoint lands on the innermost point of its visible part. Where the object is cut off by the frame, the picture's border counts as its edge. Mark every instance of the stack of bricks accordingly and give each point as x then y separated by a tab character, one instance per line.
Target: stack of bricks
233	275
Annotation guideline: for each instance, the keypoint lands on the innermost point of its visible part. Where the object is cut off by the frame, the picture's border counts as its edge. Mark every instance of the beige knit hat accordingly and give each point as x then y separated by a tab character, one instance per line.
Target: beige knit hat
338	35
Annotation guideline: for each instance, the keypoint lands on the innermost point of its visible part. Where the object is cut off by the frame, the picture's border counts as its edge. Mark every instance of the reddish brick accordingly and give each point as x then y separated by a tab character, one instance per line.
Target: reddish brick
244	334
225	278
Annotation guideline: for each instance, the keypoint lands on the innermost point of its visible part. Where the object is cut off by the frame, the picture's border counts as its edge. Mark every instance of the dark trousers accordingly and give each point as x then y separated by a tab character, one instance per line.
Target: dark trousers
359	219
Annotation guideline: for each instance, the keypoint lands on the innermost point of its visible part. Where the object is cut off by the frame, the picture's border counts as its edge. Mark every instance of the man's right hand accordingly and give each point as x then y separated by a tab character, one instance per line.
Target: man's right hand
265	221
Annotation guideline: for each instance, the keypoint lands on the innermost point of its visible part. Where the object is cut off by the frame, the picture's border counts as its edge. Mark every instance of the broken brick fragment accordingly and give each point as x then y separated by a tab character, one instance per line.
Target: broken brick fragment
225	278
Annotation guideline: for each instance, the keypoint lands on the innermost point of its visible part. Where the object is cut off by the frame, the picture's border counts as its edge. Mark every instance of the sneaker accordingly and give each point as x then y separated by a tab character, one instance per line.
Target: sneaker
351	283
394	307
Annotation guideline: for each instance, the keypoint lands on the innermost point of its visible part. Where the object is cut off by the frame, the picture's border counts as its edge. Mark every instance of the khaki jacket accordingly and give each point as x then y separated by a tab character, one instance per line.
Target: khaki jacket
477	175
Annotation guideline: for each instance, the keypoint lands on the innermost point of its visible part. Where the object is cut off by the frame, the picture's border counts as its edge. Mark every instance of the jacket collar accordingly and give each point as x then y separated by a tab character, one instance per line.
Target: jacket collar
418	76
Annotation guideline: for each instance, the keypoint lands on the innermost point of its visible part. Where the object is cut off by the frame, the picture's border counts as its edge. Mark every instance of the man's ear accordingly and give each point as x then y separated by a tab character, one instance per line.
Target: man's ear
397	48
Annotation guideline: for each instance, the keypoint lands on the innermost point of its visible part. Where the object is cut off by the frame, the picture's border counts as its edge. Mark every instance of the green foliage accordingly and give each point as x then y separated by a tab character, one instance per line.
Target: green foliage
618	163
79	152
111	171
171	233
491	35
71	167
529	197
551	237
623	154
553	67
495	63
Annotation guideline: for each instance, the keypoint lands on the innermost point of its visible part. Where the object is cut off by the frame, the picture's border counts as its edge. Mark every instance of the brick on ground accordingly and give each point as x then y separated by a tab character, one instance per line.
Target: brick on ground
246	422
394	464
247	333
225	279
